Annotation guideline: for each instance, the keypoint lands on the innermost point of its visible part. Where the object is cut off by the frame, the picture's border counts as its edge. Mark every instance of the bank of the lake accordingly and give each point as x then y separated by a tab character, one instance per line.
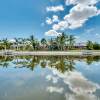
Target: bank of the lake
69	52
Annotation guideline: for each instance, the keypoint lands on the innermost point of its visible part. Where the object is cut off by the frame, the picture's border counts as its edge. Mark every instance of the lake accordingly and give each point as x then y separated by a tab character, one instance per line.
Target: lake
49	78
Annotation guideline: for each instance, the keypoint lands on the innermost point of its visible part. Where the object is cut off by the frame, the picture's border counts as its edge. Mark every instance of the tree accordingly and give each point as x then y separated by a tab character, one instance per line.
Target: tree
96	46
44	42
51	47
89	45
71	40
61	40
6	44
17	43
33	42
23	40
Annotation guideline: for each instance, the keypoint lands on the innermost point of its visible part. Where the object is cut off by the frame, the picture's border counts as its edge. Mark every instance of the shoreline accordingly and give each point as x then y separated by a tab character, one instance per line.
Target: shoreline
55	53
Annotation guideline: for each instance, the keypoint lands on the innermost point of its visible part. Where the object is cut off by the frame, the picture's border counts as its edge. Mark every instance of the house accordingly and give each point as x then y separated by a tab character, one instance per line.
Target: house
81	45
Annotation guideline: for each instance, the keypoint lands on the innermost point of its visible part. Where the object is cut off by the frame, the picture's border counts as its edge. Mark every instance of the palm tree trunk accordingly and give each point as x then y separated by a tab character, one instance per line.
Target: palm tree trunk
5	48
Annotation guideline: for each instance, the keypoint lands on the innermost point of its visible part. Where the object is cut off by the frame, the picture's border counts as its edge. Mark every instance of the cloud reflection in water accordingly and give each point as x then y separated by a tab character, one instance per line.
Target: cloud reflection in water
81	87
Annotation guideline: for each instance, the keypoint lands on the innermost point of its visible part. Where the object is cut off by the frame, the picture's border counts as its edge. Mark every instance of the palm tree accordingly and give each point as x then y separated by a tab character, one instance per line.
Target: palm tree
71	41
5	60
6	43
33	63
44	42
58	43
24	42
17	43
89	45
51	44
61	40
71	65
33	42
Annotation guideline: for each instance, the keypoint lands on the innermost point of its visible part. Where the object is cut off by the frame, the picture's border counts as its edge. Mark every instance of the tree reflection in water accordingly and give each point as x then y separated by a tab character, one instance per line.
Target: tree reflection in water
61	76
61	63
5	60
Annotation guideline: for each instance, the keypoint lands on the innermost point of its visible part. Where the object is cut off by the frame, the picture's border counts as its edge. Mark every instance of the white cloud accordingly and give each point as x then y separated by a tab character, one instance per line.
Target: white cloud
60	26
55	8
82	11
48	20
79	14
98	13
50	77
80	97
80	86
52	33
56	27
12	40
85	2
52	89
55	18
52	20
76	82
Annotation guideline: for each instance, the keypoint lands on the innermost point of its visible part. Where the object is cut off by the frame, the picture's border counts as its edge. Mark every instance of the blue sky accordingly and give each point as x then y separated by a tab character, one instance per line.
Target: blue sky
22	18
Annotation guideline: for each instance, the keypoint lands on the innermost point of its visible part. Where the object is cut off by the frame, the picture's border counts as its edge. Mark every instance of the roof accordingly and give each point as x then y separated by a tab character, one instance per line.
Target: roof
80	44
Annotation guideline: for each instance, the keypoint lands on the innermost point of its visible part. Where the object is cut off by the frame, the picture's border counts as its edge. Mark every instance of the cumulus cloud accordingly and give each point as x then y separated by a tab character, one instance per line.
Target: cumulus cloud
48	20
12	40
81	11
52	33
98	12
50	77
77	83
52	20
80	86
80	97
55	8
85	2
52	89
79	14
55	18
60	26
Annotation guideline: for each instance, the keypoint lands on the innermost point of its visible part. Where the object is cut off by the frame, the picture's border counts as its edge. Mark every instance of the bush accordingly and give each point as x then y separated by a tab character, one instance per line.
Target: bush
96	46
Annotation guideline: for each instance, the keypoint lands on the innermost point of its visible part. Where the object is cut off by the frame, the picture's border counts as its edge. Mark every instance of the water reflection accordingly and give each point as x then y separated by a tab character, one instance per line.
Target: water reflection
81	88
61	63
49	77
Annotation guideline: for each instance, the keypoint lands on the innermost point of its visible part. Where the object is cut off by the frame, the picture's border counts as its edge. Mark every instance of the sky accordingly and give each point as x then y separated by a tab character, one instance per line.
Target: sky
49	18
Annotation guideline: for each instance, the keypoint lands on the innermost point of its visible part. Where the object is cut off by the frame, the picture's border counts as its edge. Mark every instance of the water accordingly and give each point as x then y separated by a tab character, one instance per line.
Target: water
49	78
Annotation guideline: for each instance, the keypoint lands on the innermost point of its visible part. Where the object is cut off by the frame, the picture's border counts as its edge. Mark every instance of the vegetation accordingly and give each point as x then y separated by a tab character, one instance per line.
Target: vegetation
61	63
60	43
93	46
